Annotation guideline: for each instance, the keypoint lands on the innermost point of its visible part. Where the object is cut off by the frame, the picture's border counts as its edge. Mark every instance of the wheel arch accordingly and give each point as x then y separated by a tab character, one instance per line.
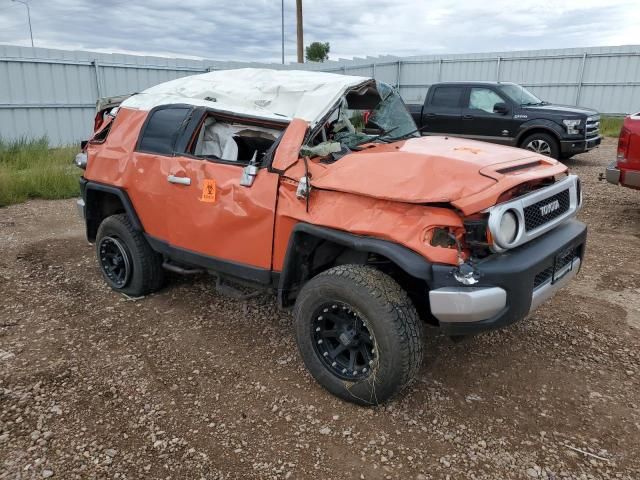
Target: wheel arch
102	201
312	249
546	126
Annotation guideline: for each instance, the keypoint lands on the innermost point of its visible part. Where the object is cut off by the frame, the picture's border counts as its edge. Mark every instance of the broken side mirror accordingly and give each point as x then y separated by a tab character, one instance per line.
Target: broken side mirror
249	172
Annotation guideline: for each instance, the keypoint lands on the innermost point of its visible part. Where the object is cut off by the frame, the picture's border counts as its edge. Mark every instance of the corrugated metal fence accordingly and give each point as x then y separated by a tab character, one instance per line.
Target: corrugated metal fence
53	92
604	78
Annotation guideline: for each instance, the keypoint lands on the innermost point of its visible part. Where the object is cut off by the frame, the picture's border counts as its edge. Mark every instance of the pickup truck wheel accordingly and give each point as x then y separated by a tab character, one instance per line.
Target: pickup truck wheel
128	263
542	143
358	333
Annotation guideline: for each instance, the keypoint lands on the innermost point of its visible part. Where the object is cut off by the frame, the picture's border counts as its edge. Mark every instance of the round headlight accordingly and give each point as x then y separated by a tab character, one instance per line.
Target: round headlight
508	227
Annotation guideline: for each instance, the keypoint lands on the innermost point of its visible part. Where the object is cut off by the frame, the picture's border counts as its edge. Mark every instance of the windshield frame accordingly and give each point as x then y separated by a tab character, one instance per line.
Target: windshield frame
387	94
519	95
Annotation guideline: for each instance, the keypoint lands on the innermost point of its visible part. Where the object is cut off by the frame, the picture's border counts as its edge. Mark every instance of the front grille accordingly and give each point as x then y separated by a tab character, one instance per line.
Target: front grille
592	127
543	211
562	260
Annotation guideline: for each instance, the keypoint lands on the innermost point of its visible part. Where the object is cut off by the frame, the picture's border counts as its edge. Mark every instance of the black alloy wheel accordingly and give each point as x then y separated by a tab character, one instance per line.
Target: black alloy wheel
115	261
343	342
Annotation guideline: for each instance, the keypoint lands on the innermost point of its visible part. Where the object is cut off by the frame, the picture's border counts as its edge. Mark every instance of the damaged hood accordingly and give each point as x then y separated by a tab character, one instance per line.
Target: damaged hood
279	95
466	173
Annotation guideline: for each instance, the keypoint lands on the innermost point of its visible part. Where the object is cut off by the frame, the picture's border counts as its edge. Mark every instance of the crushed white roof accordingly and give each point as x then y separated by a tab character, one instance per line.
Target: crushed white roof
269	94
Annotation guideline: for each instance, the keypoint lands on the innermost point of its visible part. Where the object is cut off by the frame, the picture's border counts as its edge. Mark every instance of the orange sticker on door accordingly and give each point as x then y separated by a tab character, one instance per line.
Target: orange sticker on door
208	191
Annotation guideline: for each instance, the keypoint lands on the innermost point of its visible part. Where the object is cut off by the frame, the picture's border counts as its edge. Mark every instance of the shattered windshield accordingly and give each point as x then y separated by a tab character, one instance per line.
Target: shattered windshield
352	124
392	114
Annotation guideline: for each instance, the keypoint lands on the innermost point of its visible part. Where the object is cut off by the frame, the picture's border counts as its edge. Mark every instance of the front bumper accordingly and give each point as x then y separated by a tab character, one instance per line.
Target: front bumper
511	284
572	147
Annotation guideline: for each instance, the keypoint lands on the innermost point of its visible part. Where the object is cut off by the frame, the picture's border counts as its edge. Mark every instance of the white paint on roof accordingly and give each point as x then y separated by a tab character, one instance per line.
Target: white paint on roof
264	93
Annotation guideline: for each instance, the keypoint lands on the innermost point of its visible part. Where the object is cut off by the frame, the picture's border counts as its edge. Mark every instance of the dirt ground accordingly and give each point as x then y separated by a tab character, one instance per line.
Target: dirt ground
188	384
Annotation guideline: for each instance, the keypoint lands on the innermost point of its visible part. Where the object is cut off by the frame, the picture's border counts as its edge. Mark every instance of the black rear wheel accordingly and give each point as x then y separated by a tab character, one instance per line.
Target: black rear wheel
115	260
128	263
358	333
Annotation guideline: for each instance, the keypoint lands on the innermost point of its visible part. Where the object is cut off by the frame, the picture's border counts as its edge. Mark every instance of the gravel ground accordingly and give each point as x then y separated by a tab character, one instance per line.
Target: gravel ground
190	384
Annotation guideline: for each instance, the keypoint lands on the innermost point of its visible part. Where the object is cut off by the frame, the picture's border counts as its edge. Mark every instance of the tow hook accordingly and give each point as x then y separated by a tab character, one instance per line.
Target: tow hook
466	274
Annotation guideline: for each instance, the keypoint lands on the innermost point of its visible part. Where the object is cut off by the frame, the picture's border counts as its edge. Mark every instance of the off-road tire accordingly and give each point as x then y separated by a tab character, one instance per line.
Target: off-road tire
550	140
146	275
386	311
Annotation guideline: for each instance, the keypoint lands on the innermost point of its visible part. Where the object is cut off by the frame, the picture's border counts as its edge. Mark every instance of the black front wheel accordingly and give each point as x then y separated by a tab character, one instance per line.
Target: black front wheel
128	263
358	333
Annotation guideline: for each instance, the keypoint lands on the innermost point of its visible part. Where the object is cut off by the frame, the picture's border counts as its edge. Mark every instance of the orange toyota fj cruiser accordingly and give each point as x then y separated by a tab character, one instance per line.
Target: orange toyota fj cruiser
319	188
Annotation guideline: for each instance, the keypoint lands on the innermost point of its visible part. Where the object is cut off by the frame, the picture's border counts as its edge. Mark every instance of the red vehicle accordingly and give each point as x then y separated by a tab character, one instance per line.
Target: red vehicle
625	170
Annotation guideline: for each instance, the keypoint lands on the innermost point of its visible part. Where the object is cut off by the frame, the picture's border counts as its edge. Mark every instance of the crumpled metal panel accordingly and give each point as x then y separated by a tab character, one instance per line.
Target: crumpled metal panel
430	170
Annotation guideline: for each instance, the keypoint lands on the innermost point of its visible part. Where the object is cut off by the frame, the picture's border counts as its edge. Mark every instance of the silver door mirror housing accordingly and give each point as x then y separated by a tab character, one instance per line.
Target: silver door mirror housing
248	175
303	188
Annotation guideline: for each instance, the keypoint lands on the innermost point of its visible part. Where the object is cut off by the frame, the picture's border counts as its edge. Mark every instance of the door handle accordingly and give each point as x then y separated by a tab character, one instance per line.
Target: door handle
179	180
429	114
468	117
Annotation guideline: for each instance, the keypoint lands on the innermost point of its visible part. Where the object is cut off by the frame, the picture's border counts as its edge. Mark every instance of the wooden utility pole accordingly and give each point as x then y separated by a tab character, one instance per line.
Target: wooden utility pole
299	24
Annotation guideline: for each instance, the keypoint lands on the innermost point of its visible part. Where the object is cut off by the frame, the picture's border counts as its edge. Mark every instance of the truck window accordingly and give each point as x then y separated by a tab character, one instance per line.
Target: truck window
447	97
483	99
162	129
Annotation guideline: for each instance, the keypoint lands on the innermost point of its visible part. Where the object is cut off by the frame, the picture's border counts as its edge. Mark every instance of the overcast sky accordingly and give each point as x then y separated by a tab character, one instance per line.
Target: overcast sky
250	29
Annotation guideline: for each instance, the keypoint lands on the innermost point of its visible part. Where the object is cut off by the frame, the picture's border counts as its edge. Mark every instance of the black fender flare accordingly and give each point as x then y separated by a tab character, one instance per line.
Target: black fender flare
539	124
91	210
411	262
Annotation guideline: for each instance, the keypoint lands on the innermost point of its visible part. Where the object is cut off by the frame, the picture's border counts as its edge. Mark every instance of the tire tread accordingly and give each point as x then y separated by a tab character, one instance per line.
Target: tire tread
398	309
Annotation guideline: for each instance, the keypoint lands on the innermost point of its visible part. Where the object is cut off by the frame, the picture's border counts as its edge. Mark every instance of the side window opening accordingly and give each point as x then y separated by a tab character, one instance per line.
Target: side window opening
232	141
162	130
447	97
483	99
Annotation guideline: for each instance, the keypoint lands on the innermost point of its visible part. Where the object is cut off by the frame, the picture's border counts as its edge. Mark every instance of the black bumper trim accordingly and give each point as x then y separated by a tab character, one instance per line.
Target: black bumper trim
515	272
572	147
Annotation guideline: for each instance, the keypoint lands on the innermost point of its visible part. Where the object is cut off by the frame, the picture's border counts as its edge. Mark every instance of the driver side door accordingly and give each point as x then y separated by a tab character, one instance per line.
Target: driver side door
213	220
481	122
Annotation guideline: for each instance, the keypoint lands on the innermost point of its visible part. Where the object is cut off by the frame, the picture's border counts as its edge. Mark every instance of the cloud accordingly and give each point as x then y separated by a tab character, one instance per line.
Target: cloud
247	30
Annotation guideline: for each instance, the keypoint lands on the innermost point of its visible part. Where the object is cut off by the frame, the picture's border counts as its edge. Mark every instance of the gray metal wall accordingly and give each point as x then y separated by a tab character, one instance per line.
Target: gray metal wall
53	92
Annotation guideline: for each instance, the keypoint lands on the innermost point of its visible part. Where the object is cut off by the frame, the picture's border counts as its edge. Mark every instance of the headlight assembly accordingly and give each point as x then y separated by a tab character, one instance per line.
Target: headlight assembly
508	227
572	126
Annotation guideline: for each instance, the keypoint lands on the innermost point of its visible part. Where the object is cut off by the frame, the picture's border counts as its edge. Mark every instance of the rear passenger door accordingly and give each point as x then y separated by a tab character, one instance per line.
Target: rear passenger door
443	109
151	163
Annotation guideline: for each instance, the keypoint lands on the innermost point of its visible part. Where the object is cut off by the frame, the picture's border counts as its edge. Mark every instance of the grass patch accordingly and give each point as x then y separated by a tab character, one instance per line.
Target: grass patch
610	126
31	169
